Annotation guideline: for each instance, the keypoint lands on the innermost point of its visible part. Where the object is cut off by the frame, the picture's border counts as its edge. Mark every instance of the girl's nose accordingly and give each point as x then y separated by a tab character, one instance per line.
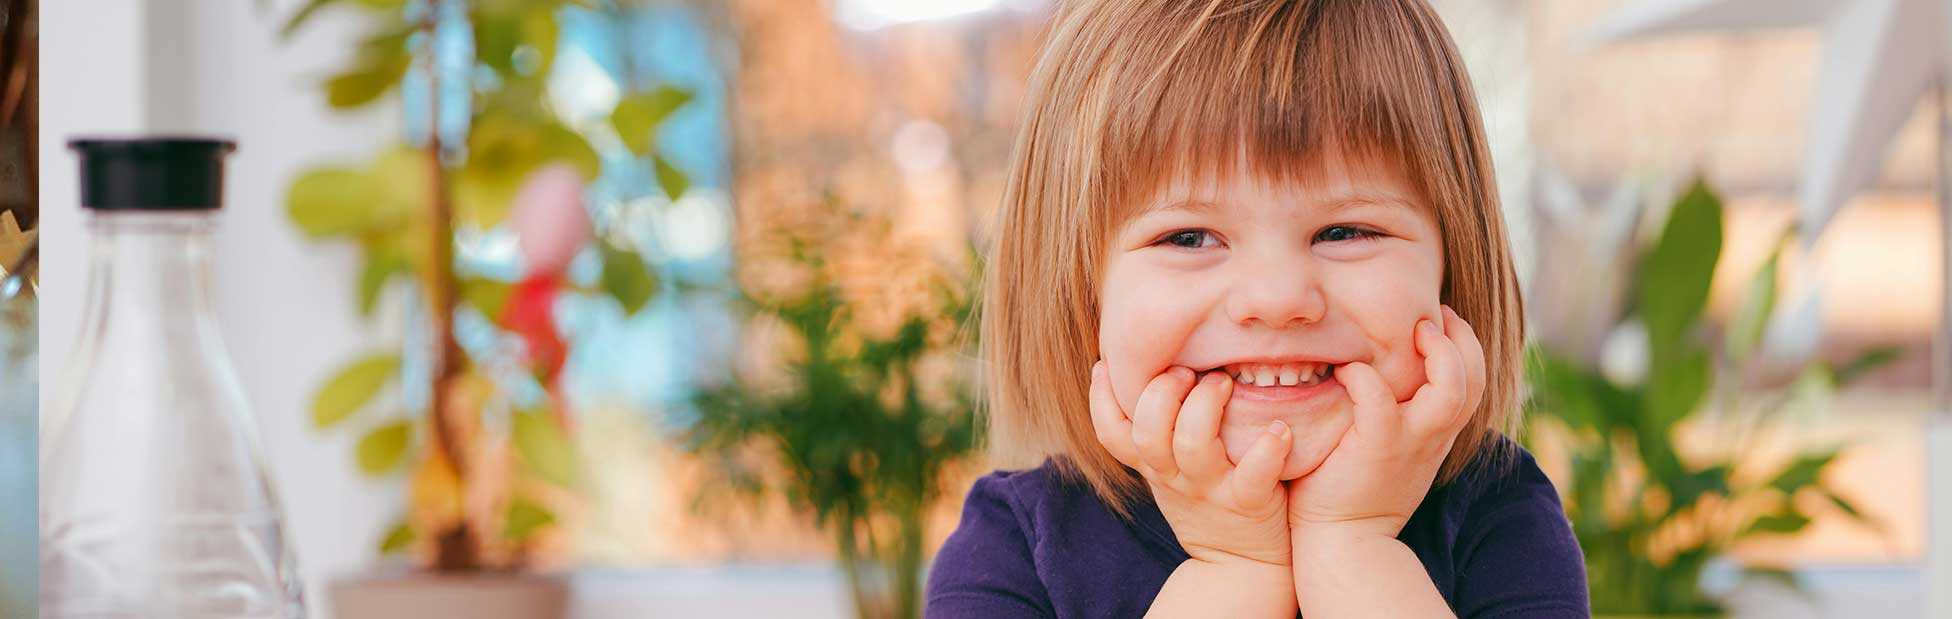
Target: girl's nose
1276	293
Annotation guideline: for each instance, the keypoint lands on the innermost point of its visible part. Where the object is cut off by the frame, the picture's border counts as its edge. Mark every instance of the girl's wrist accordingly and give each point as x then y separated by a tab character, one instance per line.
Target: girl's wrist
1331	546
1281	559
1259	588
1321	530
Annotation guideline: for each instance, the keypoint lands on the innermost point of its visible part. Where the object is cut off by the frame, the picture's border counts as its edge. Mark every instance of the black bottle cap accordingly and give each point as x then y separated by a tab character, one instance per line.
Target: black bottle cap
152	173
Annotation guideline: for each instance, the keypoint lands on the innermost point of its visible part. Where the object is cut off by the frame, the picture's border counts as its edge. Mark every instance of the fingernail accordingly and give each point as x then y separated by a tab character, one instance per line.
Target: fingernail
1279	429
1450	312
1211	378
1430	327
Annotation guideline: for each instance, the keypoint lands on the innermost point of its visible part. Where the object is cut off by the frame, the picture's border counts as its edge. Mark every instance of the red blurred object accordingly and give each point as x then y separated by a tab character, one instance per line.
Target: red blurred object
530	312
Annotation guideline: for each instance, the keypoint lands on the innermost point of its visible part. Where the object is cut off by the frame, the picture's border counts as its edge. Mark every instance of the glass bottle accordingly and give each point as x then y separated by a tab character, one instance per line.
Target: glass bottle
19	392
154	496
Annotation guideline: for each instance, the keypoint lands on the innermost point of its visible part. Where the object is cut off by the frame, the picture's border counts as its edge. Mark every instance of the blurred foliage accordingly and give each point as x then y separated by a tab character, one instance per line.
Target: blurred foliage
398	207
1648	518
852	441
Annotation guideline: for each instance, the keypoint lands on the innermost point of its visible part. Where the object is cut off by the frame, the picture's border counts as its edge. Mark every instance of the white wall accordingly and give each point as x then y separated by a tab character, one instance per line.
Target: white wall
287	309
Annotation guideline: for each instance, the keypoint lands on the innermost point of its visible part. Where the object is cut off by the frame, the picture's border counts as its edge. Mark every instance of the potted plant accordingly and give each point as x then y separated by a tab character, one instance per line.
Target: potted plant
1649	513
486	450
872	411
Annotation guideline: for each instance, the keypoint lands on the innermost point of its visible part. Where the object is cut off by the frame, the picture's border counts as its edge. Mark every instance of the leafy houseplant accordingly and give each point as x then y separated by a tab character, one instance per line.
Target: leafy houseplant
474	504
853	438
1648	515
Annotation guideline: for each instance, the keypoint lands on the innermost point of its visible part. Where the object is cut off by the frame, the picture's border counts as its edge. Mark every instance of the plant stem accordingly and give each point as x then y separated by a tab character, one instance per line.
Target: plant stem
850	565
908	563
456	548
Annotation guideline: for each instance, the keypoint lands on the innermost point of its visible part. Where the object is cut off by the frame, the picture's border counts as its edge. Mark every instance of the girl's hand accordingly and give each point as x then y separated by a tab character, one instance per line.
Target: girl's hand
1386	461
1219	511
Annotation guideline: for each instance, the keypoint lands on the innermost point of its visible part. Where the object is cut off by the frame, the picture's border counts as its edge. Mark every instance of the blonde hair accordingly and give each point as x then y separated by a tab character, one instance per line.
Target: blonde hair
1128	94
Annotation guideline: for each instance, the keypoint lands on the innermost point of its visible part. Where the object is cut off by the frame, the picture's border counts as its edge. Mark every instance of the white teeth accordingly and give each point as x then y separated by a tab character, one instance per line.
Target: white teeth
1287	375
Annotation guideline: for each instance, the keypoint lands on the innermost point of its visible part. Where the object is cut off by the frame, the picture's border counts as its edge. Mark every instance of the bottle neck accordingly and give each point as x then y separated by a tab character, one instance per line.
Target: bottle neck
150	268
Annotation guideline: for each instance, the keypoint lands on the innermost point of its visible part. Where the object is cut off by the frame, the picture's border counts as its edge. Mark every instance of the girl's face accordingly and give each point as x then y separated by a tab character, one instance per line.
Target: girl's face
1278	283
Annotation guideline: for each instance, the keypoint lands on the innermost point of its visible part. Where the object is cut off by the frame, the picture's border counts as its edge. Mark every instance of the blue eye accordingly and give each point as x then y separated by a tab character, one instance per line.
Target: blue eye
1334	234
1188	239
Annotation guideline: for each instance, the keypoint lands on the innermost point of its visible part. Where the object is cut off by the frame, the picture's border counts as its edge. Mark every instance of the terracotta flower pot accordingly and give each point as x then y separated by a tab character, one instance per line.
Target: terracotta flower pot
433	595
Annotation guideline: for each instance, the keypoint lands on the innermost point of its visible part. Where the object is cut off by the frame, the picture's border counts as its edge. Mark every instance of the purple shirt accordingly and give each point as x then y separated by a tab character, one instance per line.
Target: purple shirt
1033	544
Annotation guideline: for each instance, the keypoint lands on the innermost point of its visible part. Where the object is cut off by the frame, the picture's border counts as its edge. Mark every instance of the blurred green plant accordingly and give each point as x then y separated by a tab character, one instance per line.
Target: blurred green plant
1649	517
403	210
853	441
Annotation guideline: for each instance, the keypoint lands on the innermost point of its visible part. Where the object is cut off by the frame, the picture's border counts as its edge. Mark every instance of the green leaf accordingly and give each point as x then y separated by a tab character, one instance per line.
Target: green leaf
488	296
376	73
523	518
626	278
340	201
385	447
397	538
544	447
540	33
1758	302
1869	360
1783	523
494	43
1675	388
352	388
502	153
670	178
402	181
482	198
1850	509
561	144
381	266
637	116
303	15
327	202
1566	391
1675	277
1802	471
1689	487
384	5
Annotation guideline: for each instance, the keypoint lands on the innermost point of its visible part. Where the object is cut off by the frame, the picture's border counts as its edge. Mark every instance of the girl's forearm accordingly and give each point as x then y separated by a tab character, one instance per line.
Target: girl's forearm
1226	589
1341	574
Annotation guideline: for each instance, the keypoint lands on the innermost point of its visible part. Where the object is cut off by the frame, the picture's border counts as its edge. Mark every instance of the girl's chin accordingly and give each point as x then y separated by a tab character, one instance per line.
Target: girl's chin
1314	438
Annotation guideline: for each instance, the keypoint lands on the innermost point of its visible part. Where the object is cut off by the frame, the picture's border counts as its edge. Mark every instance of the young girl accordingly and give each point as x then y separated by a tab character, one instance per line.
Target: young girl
1253	327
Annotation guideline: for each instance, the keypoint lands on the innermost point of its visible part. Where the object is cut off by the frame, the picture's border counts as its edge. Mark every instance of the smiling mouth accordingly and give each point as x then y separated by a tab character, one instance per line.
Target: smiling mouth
1279	375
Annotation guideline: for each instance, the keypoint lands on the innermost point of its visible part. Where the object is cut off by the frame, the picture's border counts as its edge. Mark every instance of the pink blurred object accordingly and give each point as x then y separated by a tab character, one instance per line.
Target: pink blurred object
550	222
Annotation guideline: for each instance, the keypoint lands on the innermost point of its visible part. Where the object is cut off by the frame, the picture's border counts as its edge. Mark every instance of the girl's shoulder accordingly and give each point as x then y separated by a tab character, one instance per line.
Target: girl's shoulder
1504	472
1497	538
1038	542
1036	496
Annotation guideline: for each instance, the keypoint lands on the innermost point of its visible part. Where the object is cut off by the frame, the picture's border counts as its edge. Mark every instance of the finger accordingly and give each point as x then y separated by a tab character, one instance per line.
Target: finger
1376	410
1113	427
1442	396
1259	473
1196	436
1153	419
1466	339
